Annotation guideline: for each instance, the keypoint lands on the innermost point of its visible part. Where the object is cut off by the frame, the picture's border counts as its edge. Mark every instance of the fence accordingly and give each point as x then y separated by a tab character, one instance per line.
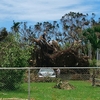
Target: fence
11	78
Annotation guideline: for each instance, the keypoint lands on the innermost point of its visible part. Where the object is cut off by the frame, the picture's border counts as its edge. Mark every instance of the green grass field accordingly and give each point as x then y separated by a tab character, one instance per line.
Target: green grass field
45	91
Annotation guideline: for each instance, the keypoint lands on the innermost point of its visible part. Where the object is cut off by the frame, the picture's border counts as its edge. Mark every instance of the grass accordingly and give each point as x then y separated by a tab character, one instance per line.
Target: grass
45	91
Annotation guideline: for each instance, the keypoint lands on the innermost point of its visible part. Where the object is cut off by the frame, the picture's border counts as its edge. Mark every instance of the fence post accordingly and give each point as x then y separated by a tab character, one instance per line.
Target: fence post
28	83
93	78
97	56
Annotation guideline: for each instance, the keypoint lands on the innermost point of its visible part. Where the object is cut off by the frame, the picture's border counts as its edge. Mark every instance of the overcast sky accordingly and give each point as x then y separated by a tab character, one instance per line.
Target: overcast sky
34	11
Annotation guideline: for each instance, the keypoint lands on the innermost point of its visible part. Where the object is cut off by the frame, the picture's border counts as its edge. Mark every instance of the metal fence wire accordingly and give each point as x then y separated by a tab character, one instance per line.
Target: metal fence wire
20	79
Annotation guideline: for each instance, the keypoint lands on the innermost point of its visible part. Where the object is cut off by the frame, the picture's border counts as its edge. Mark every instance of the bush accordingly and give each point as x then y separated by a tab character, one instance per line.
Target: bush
10	79
12	55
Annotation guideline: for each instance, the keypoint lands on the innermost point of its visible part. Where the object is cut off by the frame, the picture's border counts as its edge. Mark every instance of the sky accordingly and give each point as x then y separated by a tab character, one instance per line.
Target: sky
33	11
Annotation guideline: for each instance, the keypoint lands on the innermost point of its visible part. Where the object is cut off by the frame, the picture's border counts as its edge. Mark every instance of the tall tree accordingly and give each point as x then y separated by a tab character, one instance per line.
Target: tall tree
73	24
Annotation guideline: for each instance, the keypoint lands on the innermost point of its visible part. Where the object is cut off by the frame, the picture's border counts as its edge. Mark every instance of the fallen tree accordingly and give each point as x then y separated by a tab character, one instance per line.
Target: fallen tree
49	54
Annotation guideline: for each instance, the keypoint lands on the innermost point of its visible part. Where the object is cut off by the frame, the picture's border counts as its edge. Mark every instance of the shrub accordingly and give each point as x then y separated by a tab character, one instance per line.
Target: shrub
12	55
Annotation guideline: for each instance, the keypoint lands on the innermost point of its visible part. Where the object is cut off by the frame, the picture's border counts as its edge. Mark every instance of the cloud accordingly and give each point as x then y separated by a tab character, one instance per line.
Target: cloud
42	10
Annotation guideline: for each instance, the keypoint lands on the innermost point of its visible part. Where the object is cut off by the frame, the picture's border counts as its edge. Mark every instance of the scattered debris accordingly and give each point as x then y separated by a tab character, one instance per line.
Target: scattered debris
64	85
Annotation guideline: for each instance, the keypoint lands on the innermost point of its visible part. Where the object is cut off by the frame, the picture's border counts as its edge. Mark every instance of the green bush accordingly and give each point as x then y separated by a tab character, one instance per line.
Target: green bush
12	55
92	63
10	79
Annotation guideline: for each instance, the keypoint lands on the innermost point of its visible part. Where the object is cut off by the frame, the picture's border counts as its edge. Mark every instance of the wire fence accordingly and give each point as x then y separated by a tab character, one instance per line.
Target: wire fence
19	80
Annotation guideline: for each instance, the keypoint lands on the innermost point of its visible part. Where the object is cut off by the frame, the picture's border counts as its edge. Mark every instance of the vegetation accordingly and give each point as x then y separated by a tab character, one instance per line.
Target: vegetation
30	45
13	54
92	35
69	31
46	91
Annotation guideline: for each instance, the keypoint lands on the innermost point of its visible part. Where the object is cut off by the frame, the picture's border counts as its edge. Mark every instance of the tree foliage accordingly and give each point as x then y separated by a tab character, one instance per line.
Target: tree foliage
3	33
92	35
13	54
